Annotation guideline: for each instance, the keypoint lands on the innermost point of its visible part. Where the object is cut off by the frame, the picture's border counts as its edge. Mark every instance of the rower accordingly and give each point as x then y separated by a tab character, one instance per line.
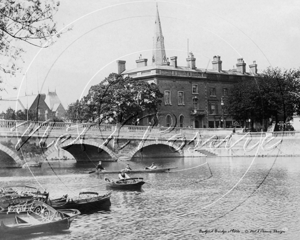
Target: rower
100	167
123	175
151	167
128	168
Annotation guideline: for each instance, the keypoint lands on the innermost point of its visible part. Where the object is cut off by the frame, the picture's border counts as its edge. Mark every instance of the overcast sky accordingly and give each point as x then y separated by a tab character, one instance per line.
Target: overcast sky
106	31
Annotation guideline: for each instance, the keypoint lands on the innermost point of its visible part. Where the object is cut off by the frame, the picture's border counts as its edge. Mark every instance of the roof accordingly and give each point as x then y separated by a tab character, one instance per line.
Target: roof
55	107
53	101
27	100
185	69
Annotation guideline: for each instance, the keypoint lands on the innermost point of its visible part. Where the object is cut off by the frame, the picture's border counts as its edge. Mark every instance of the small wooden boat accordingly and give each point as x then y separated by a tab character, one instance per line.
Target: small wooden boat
134	184
158	170
32	164
87	202
17	194
35	217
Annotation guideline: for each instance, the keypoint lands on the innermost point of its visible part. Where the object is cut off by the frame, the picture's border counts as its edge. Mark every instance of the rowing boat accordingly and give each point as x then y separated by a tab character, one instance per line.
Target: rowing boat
35	217
158	170
18	194
134	184
87	202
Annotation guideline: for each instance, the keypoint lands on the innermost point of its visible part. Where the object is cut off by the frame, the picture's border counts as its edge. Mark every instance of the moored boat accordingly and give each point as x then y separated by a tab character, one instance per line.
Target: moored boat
32	164
86	202
18	194
158	170
134	184
35	217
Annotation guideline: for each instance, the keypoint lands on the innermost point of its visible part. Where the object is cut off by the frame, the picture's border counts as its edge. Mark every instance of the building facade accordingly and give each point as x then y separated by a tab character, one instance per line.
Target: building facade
47	106
193	97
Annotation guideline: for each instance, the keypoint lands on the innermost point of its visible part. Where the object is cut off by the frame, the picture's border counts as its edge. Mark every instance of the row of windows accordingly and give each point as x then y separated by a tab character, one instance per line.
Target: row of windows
213	91
169	120
180	95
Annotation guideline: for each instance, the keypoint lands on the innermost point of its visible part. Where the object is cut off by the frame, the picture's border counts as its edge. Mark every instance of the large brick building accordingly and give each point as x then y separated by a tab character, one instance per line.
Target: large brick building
193	97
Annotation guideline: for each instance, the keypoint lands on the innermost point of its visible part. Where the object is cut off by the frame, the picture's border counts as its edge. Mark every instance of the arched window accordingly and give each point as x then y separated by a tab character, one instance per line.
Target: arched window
181	118
168	121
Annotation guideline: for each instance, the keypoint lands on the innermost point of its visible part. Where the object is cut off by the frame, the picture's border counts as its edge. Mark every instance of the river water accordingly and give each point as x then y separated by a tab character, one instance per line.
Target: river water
204	198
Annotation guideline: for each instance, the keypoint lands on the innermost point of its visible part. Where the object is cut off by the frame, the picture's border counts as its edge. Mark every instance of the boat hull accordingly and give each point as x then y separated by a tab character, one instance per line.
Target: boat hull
85	206
35	217
57	226
118	185
160	170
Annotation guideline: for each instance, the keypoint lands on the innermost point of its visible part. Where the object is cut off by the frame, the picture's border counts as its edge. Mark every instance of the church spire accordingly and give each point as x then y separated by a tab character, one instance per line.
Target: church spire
159	53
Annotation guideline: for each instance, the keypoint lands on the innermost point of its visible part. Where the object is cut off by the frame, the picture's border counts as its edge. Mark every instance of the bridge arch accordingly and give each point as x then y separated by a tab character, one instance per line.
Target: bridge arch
173	149
69	143
12	154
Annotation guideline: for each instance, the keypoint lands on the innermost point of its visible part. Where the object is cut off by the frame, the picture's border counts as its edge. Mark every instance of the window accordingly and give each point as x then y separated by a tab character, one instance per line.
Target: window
167	95
180	98
213	109
225	91
46	114
168	121
181	118
195	89
39	112
195	103
212	92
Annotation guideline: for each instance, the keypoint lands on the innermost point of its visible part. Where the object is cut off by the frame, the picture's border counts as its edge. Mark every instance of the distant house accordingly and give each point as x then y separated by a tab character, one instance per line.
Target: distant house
55	105
47	106
40	107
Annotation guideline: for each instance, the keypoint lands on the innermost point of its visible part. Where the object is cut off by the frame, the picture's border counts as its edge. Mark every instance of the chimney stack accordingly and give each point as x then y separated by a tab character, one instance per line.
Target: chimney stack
121	66
253	68
217	63
141	62
241	66
191	61
173	61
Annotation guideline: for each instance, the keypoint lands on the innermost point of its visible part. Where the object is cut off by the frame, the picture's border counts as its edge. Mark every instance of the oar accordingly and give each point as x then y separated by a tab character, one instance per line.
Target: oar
92	171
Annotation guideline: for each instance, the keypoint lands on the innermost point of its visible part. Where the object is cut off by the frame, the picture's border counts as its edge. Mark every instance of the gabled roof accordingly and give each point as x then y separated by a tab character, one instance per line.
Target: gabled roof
55	107
53	101
27	101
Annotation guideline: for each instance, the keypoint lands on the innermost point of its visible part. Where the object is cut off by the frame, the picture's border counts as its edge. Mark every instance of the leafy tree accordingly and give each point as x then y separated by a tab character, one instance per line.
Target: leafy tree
272	94
117	100
30	21
10	114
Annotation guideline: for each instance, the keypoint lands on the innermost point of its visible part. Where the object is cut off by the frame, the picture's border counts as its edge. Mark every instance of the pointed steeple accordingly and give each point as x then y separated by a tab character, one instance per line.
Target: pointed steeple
159	53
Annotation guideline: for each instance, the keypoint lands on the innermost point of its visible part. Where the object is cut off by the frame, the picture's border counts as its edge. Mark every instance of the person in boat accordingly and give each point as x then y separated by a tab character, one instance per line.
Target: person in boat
151	167
100	167
128	168
123	175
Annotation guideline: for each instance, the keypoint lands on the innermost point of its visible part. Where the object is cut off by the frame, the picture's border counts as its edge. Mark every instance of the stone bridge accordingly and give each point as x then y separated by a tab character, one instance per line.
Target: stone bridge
23	141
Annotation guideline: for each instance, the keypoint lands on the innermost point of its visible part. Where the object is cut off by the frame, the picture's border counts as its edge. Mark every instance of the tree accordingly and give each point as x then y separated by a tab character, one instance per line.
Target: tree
30	21
117	100
272	94
10	114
